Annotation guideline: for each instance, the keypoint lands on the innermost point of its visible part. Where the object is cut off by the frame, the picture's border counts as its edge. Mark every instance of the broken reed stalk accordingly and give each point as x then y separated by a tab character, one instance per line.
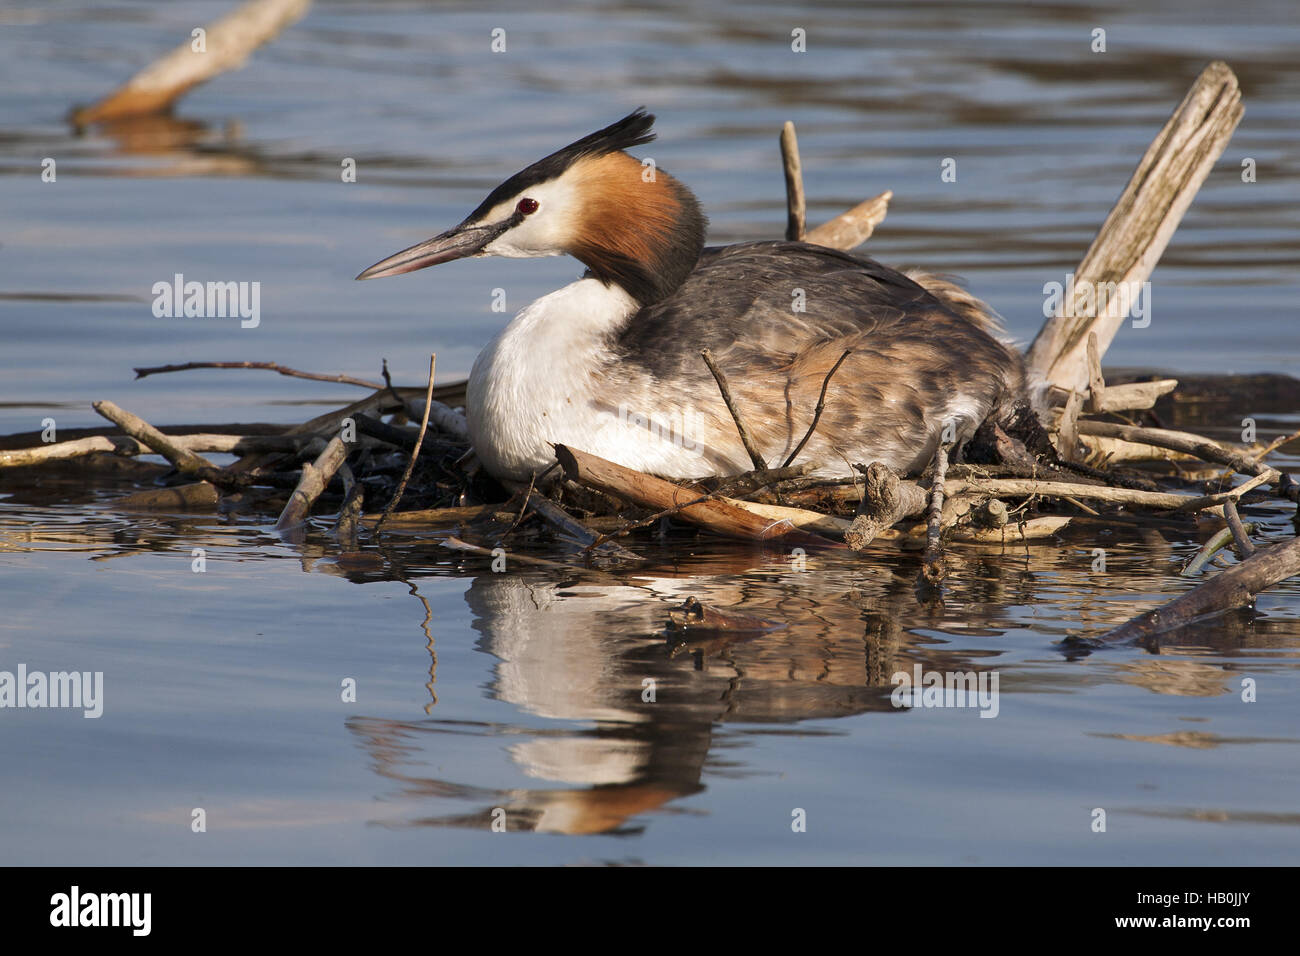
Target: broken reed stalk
795	203
754	456
268	366
316	477
415	453
182	459
1227	590
228	42
817	413
932	567
1144	218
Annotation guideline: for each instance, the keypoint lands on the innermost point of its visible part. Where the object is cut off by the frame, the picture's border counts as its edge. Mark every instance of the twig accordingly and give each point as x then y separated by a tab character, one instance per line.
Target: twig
268	366
794	197
415	454
745	440
817	414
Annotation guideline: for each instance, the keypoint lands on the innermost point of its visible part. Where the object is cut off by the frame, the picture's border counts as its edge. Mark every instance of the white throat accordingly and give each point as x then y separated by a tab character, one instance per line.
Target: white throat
534	383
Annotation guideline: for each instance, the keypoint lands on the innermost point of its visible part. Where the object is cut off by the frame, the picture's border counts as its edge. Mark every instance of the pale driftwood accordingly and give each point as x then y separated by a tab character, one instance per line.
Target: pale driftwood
181	458
815	521
1096	382
1026	487
1134	396
722	516
267	366
1134	235
851	229
229	42
129	447
795	204
446	418
315	479
1233	588
1186	442
1067	434
1114	450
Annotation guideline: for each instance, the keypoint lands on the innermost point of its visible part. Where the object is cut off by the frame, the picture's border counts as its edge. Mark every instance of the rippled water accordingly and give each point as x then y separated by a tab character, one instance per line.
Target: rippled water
523	691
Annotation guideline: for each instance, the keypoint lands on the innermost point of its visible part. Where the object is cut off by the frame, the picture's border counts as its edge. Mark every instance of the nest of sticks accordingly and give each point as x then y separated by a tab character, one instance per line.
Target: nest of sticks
400	458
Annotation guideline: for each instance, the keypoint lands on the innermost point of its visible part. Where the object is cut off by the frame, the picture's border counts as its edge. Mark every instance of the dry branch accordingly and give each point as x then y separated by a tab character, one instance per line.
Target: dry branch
268	366
1134	235
130	447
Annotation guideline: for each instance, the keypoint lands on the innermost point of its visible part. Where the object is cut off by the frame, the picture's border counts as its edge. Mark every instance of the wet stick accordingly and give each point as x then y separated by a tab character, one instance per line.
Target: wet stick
1226	591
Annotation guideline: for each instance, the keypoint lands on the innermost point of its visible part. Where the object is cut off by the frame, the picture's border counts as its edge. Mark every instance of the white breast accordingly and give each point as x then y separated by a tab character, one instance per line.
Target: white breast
532	384
540	383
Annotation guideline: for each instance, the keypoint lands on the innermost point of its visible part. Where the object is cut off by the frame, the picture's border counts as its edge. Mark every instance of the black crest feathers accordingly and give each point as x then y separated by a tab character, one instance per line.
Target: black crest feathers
635	129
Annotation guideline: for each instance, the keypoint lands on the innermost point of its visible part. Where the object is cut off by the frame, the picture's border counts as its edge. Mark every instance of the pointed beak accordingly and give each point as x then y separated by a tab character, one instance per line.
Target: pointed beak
455	243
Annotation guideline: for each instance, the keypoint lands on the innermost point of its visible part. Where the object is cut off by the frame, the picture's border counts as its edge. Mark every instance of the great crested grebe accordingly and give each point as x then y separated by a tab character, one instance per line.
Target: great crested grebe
611	363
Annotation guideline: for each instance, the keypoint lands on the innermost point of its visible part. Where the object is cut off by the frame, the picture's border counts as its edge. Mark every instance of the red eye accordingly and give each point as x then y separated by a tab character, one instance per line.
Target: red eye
527	206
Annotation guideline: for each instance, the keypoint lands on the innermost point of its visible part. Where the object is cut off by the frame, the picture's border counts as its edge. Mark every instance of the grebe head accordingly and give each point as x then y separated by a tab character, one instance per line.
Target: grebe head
630	224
